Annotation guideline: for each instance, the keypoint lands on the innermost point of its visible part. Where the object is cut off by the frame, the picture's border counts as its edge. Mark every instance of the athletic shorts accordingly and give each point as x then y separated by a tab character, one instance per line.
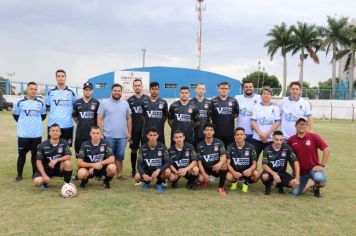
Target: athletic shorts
259	146
136	140
56	171
209	171
28	144
285	178
98	173
77	145
66	133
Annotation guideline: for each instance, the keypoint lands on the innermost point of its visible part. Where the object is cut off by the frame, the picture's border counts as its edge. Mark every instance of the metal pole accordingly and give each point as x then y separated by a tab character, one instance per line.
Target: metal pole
353	111
331	111
143	57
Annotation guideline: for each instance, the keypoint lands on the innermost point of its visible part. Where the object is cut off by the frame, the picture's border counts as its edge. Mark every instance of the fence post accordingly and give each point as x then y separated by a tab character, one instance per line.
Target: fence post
353	111
331	111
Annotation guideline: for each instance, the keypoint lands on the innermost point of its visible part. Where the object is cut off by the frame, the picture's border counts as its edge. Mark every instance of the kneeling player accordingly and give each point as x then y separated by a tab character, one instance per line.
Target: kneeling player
153	161
241	161
53	159
211	159
96	158
274	164
184	160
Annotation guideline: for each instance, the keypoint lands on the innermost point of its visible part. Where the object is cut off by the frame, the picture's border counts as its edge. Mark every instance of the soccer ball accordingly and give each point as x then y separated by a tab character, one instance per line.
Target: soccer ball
68	190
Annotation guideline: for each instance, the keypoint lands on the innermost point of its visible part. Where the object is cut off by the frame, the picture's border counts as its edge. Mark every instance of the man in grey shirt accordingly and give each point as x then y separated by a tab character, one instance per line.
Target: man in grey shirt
114	119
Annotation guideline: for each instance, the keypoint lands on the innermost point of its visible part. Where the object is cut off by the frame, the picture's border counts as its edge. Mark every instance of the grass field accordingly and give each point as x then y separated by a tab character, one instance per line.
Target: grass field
128	210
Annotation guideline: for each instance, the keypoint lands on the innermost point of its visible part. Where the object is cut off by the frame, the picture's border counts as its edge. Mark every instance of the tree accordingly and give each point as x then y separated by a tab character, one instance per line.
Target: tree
280	40
335	35
3	82
260	79
307	41
349	52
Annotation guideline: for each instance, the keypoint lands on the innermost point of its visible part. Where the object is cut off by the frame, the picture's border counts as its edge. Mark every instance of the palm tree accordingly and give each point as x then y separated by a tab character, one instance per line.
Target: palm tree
350	53
306	40
335	35
280	40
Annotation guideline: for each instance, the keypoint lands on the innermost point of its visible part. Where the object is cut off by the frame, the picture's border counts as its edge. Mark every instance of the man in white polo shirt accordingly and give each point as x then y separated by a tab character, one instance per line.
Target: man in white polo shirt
292	108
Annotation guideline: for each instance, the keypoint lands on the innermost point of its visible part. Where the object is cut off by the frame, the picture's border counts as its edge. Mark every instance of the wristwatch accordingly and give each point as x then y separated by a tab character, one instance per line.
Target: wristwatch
322	165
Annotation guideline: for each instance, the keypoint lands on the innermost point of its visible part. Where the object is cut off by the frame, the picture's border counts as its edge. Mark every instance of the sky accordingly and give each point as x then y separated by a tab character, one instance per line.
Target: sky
91	37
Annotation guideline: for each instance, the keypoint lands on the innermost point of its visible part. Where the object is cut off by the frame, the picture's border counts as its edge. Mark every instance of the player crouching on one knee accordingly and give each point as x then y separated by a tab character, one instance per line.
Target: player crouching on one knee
241	162
53	159
153	161
274	164
211	159
96	159
184	161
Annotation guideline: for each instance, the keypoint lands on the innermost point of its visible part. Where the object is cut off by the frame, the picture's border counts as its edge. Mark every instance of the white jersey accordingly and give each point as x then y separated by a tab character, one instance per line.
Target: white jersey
265	117
291	111
246	104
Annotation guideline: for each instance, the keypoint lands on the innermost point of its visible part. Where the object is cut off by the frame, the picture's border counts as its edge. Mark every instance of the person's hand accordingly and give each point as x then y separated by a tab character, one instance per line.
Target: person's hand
182	172
236	174
318	168
294	183
97	165
46	179
155	174
206	177
53	163
146	178
128	137
91	171
276	178
217	167
247	172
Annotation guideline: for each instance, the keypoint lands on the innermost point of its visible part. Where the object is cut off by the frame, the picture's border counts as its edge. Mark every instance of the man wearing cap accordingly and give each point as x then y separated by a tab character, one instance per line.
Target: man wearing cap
85	115
305	145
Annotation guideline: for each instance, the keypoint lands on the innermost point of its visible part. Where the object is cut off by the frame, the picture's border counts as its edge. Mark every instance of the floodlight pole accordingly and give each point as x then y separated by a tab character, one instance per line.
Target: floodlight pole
199	9
143	57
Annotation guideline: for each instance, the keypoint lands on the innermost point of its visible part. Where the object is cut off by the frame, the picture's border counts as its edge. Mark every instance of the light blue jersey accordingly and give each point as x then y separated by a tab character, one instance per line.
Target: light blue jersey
61	103
29	114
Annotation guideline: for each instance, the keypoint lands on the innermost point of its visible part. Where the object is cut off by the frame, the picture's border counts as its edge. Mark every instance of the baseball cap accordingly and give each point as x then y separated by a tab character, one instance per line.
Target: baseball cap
88	85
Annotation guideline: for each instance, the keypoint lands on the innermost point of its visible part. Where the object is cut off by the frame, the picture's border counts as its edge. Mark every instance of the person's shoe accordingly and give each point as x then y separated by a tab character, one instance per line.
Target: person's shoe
189	186
159	188
106	184
83	183
233	186
138	183
75	177
244	188
281	189
175	184
267	190
316	192
18	178
44	187
222	192
121	178
146	186
164	184
205	184
133	173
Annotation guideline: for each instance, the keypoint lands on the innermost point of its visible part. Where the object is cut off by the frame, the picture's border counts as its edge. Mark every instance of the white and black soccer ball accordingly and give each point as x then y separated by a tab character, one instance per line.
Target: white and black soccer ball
68	190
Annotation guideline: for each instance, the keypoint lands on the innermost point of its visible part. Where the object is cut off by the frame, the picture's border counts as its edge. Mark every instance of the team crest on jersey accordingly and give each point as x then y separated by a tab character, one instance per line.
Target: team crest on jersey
102	148
284	154
272	111
216	148
187	153
160	106
67	93
60	149
190	110
300	107
254	101
92	107
247	153
230	104
159	153
206	105
308	142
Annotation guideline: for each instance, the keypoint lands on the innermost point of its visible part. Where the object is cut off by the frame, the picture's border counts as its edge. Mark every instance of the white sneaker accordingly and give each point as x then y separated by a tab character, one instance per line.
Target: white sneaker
138	183
164	184
212	178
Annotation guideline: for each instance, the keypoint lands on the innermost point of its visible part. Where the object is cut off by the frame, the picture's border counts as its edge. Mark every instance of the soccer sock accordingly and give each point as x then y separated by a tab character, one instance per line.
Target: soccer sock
267	182
191	179
33	162
159	180
21	160
107	179
133	161
222	174
67	175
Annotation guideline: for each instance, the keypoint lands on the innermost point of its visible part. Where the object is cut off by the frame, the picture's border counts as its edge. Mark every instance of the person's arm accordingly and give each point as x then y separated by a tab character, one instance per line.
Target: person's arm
237	109
274	127
173	169
110	160
140	162
75	113
16	111
248	171
100	122
166	161
171	116
256	128
266	168
48	102
202	170
129	127
296	170
231	169
221	162
310	123
324	159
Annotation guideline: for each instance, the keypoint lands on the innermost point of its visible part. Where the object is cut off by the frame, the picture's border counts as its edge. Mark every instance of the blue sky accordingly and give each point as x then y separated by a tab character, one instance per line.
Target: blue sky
87	38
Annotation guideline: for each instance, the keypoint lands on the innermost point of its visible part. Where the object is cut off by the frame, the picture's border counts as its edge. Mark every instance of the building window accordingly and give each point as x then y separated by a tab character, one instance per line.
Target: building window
100	85
193	86
170	85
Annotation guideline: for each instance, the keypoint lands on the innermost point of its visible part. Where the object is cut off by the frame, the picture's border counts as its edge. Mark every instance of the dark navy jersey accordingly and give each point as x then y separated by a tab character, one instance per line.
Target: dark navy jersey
210	154
151	159
241	158
47	152
95	153
204	108
183	117
183	157
137	112
86	114
277	160
155	114
223	115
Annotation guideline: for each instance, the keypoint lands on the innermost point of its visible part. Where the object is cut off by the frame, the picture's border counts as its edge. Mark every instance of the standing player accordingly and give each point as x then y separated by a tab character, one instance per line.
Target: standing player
135	102
184	116
204	107
85	115
153	161
59	102
305	146
211	159
274	164
155	112
241	162
53	159
224	111
292	108
246	102
265	120
96	159
29	112
184	160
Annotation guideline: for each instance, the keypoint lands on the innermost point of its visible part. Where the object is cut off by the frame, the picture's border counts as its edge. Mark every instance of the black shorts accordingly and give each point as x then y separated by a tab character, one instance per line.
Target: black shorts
98	173
28	144
77	145
285	178
66	134
227	140
136	140
209	171
56	171
259	146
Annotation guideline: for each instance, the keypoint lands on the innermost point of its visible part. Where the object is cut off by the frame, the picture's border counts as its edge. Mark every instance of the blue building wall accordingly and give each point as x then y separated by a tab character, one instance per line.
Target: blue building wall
171	75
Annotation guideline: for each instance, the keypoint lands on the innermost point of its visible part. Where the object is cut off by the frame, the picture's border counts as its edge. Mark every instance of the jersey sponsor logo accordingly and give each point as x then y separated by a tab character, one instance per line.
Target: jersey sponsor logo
265	121
154	114
137	110
241	161
255	101
61	103
183	117
211	157
308	143
154	162
245	112
224	110
96	158
86	114
277	163
31	113
203	113
51	158
182	163
290	117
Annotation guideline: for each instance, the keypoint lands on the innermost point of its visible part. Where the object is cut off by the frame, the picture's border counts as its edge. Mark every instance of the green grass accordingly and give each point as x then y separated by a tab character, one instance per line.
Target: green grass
128	210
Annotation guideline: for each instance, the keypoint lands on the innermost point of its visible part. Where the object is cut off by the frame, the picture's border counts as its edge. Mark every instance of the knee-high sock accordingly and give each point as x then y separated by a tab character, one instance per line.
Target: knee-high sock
67	175
222	174
133	161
